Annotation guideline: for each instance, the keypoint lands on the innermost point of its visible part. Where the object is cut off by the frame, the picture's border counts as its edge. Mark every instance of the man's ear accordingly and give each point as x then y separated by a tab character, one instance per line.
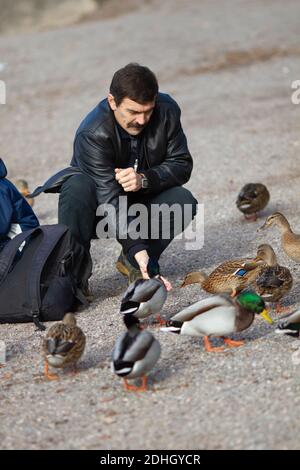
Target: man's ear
111	102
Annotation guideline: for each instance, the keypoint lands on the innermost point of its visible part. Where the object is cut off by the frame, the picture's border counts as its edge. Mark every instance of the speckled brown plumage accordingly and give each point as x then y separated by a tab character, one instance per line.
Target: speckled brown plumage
252	198
274	281
224	279
64	343
290	241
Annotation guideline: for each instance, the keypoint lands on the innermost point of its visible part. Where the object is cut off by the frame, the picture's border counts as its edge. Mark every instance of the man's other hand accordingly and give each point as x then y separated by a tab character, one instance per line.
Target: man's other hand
128	179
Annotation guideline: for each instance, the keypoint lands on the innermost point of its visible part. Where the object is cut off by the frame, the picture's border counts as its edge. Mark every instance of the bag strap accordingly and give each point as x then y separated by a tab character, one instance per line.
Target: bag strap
52	234
10	250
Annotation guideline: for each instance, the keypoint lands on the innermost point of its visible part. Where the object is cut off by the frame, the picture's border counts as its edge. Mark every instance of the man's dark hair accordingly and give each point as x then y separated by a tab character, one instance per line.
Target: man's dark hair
135	82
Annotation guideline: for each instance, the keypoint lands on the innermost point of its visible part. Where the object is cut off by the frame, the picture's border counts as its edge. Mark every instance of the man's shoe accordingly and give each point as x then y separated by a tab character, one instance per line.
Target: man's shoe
126	268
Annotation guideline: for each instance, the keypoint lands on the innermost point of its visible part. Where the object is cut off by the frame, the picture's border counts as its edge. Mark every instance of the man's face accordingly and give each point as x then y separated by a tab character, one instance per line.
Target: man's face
130	115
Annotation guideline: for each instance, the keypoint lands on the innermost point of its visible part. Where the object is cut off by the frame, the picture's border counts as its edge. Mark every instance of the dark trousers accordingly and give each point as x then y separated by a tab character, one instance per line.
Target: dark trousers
78	205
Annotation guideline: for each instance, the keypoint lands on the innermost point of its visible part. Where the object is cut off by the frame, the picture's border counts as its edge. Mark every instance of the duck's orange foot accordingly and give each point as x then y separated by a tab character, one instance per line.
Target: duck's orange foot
48	374
52	377
133	388
160	321
209	347
251	217
280	309
233	344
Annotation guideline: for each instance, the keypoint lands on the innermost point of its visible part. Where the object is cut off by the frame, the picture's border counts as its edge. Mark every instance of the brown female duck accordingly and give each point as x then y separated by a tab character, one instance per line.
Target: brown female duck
290	241
252	198
274	281
230	277
63	344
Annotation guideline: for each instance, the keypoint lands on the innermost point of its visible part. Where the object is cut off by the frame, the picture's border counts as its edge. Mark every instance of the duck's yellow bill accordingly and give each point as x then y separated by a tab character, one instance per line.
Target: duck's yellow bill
266	316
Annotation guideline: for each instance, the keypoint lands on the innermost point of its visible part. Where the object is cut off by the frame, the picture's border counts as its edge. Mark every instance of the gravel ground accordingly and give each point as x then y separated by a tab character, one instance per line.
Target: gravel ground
230	66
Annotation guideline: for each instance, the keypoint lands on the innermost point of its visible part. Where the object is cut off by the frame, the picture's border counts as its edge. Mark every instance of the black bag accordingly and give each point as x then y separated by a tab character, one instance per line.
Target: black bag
44	281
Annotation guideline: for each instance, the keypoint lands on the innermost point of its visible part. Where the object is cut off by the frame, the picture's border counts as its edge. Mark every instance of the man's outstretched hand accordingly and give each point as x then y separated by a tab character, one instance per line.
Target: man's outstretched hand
142	258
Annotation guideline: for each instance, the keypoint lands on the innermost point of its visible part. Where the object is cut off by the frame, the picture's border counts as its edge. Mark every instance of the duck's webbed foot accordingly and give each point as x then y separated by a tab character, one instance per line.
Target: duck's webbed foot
133	388
231	343
251	217
209	347
48	374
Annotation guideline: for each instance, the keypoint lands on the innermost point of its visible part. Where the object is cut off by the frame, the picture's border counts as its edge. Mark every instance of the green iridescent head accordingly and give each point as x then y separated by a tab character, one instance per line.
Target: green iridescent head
153	267
251	301
254	303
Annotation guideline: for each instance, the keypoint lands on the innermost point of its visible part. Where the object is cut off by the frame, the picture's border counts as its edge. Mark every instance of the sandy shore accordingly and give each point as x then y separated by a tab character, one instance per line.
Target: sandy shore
231	70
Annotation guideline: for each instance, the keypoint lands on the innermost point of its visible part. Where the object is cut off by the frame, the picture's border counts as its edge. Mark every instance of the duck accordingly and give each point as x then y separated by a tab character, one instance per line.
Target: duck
22	187
144	297
252	198
63	345
135	353
230	277
274	281
290	324
290	241
220	316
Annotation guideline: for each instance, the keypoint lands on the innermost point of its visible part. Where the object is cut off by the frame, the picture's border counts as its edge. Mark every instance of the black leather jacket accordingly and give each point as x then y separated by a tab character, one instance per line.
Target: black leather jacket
99	149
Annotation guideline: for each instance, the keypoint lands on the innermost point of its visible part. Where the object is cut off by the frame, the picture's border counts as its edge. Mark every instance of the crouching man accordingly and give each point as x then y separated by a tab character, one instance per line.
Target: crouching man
132	145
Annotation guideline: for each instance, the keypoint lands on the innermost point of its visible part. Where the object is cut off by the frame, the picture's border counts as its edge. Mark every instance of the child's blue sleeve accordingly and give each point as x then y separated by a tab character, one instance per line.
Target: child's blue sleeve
25	215
6	212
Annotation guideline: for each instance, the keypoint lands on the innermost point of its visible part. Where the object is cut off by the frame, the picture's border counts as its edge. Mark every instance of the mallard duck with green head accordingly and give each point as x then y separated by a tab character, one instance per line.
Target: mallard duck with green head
218	316
144	297
274	281
63	345
252	198
290	241
135	353
290	324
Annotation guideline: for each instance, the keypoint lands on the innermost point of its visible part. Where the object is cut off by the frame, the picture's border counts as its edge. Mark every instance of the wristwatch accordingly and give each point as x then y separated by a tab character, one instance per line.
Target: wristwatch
145	182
